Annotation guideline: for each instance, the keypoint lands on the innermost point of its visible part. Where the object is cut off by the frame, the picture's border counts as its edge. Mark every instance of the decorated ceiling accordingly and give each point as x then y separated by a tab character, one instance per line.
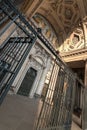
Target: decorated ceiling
65	18
66	12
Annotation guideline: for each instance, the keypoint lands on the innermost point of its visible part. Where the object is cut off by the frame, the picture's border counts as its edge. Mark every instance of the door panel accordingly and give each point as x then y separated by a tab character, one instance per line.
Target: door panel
27	82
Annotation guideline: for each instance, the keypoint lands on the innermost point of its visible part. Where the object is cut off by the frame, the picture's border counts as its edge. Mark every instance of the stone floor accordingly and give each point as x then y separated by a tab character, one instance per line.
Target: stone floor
17	111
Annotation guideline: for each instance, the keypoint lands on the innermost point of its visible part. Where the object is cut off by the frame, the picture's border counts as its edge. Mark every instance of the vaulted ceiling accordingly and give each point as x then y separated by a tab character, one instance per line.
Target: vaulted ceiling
64	13
65	16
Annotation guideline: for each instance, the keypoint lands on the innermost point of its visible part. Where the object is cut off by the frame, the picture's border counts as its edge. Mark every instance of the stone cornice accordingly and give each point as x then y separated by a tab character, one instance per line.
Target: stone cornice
74	55
66	54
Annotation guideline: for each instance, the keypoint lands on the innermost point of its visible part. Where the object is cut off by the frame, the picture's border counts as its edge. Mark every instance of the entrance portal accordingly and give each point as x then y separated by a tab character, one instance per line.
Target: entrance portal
27	82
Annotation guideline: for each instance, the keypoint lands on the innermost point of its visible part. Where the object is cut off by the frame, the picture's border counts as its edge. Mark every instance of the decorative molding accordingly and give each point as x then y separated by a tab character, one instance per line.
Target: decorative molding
35	8
74	55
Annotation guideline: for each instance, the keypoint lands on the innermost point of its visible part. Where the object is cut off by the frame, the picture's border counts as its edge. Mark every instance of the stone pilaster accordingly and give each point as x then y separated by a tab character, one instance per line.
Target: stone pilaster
41	84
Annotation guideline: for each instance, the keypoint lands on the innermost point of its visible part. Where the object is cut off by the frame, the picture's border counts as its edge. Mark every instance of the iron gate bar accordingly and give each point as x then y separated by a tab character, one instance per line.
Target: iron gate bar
34	30
37	123
51	90
6	40
21	39
7	48
57	96
16	14
62	120
11	78
3	68
15	53
17	23
7	53
6	27
10	23
5	18
39	35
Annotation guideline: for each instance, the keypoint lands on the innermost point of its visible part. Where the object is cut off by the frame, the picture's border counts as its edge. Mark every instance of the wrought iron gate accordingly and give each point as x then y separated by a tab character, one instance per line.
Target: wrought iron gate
57	104
14	48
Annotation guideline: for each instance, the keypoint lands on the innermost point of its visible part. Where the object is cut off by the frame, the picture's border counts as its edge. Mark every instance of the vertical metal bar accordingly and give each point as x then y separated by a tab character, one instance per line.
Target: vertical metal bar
16	71
40	115
58	118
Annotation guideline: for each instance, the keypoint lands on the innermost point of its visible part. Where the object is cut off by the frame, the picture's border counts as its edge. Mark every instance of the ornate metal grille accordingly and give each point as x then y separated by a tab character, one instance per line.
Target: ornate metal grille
57	104
16	42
